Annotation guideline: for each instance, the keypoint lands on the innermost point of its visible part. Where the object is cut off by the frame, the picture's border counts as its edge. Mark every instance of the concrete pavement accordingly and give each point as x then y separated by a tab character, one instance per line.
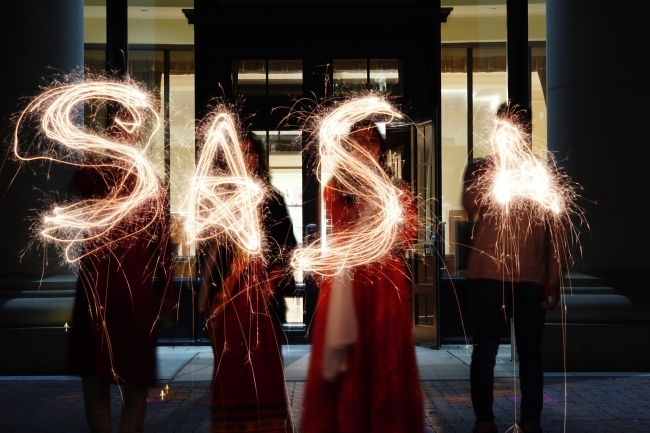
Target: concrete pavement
594	402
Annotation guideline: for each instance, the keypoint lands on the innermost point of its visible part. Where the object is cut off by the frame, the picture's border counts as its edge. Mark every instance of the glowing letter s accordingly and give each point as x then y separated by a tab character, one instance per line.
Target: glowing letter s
362	179
90	221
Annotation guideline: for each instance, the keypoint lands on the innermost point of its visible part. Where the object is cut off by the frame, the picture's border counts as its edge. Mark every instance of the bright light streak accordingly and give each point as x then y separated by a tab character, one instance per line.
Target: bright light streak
519	177
224	196
359	175
59	110
516	188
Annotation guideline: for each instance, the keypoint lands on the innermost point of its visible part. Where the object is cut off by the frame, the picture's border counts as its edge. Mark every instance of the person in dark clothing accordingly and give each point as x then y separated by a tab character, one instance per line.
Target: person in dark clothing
513	265
118	305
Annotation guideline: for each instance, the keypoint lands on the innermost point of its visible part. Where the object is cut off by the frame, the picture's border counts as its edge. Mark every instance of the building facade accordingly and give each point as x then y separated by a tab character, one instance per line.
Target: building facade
448	64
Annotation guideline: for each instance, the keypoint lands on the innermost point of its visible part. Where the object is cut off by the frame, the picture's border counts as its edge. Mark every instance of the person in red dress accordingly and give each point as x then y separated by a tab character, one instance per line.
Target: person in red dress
243	308
372	386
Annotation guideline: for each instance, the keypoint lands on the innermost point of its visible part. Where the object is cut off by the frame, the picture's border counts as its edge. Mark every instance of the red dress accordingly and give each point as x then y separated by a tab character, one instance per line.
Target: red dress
118	305
379	391
248	389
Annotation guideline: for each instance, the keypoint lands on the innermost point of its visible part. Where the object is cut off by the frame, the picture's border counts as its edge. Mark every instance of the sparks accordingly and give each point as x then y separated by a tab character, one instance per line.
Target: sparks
520	177
361	177
223	196
58	110
516	187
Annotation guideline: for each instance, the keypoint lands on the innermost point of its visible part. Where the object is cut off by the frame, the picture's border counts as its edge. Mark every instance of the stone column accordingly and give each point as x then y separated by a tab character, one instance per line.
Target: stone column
598	93
40	39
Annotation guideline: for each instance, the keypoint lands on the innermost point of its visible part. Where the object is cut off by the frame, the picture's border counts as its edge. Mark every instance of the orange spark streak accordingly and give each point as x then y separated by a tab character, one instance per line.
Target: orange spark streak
514	181
90	221
360	176
223	196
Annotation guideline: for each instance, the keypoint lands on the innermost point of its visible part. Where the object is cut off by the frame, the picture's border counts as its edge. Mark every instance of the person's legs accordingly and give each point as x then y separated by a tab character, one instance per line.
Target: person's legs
487	303
529	327
97	401
134	408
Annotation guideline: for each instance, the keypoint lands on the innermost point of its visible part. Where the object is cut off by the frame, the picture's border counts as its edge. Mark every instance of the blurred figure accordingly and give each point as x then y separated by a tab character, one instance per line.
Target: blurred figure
118	305
244	307
519	271
363	376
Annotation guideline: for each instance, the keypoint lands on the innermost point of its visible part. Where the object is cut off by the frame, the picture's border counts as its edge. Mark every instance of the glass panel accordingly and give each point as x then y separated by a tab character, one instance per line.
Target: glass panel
182	147
285	77
146	67
490	89
285	171
384	76
249	77
425	308
94	116
425	188
349	76
95	60
538	93
295	309
454	140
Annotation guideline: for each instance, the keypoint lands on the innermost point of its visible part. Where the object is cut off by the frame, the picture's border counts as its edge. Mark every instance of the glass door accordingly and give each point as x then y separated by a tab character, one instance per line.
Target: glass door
425	256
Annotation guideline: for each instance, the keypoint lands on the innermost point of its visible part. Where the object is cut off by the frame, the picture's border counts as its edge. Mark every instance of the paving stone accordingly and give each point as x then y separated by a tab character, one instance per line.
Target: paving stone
593	404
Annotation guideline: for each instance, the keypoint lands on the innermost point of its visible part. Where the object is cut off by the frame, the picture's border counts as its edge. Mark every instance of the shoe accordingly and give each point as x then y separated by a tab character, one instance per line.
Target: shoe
531	427
492	429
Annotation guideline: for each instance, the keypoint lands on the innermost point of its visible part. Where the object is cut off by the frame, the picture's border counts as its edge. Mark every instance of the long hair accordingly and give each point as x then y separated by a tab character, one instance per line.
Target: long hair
259	150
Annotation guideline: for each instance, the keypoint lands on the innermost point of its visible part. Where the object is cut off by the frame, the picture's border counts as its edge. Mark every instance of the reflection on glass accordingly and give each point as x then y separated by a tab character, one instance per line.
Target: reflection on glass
490	89
384	76
454	140
358	75
249	77
350	76
285	77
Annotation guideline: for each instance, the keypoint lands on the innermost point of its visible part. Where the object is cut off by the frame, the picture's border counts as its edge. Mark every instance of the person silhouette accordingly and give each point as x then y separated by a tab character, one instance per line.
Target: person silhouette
118	304
243	304
519	272
362	374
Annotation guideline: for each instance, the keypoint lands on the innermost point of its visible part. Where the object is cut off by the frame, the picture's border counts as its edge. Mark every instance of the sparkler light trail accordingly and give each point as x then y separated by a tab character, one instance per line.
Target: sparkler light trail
58	110
359	175
224	196
520	177
515	187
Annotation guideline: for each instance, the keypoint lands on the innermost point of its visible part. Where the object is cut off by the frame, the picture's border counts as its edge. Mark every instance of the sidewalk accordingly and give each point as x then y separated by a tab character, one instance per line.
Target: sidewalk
604	402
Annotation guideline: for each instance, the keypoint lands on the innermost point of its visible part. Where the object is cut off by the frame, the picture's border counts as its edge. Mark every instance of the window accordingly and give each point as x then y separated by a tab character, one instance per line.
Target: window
257	77
474	84
455	145
169	75
358	75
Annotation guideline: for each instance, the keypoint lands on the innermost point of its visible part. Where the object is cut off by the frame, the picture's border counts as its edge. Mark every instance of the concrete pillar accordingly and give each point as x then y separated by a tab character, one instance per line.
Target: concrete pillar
598	92
40	39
